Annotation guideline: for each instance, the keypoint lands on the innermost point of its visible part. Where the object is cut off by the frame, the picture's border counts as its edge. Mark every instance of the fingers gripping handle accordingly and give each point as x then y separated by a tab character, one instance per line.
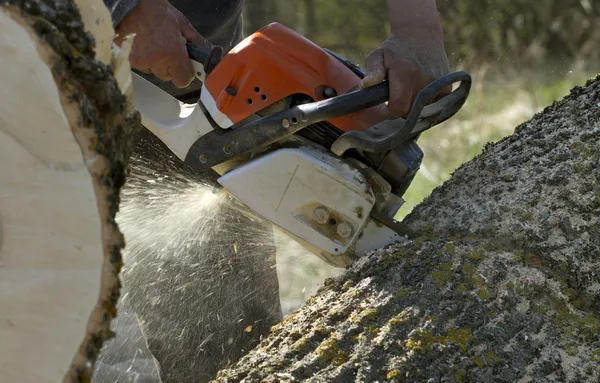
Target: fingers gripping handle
391	133
204	59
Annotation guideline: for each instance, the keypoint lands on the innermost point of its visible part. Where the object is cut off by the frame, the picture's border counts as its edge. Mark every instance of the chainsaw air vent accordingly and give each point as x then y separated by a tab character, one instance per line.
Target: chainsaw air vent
322	133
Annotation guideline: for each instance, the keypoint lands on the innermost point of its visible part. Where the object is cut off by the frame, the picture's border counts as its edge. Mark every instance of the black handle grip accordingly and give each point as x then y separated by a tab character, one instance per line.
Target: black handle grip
208	57
391	133
218	146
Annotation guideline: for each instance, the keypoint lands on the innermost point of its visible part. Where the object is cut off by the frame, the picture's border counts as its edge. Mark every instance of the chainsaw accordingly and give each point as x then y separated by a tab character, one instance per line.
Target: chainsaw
290	134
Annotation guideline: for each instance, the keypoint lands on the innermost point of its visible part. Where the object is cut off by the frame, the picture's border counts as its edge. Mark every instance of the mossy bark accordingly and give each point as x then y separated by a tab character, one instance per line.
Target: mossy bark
502	286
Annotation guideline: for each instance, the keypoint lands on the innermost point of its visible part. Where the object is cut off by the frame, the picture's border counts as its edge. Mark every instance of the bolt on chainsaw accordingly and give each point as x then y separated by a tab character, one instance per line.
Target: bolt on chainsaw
283	123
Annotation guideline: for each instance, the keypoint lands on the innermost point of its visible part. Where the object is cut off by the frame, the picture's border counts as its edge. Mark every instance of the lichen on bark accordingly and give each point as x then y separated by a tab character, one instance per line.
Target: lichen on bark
502	285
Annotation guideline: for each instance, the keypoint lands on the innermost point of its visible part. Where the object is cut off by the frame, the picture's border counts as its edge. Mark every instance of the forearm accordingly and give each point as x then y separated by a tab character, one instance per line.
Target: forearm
414	17
119	9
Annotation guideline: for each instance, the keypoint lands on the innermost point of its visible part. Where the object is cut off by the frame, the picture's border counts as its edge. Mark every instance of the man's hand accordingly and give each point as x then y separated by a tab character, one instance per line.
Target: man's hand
411	58
159	45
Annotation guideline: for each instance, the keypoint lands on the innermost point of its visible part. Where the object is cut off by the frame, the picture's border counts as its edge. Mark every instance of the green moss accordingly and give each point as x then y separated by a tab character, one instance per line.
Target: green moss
370	314
581	168
596	202
523	215
469	269
538	308
575	328
492	358
403	293
459	376
477	281
393	374
359	337
571	349
479	361
508	178
476	254
398	320
321	331
424	340
596	355
391	259
483	294
347	285
329	350
414	344
373	330
582	150
462	288
442	274
419	241
450	248
460	337
300	345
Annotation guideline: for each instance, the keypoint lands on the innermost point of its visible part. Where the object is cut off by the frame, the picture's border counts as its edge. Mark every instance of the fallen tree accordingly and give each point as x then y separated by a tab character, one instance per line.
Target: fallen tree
502	285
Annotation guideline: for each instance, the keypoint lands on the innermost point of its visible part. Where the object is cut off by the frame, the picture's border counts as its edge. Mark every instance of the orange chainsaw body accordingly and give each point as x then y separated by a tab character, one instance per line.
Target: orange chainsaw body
274	63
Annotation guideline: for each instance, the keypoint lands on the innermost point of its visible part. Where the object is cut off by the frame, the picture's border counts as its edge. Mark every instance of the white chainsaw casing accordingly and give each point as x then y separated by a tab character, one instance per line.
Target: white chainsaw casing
177	124
312	195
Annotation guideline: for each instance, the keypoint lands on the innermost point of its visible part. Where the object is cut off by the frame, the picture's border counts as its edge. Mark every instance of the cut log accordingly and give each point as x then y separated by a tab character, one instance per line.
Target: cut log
502	286
64	129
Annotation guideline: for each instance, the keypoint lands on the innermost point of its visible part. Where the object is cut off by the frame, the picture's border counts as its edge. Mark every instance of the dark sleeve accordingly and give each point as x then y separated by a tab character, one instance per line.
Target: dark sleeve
119	9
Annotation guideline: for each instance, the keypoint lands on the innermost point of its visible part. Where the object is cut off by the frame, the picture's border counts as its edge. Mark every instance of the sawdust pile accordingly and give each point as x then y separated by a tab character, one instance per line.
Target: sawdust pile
502	285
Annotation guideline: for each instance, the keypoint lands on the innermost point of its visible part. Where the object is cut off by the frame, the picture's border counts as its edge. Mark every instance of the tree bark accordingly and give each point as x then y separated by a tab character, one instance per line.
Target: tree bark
502	285
65	123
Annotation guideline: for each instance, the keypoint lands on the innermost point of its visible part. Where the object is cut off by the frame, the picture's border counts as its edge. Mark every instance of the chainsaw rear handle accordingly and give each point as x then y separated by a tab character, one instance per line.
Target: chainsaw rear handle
209	58
389	134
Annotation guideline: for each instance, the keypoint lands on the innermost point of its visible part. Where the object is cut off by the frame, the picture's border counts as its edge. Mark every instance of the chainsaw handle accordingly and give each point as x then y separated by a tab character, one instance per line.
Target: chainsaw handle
219	146
209	58
389	134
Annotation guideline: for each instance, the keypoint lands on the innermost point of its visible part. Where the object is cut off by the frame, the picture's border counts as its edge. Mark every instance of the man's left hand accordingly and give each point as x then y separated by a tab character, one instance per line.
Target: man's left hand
409	65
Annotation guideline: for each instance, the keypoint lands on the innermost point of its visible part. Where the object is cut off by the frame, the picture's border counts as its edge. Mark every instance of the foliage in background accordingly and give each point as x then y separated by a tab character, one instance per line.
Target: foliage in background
519	32
522	54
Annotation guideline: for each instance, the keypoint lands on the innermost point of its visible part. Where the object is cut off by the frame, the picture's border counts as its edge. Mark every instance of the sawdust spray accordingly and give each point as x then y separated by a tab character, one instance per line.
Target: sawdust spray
199	279
199	273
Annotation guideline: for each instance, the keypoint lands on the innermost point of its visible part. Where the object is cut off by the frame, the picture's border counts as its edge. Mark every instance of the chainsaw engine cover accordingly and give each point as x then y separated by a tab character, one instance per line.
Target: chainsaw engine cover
271	65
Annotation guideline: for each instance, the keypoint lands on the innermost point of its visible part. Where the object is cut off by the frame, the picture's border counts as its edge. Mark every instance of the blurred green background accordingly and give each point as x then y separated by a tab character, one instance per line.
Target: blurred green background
522	54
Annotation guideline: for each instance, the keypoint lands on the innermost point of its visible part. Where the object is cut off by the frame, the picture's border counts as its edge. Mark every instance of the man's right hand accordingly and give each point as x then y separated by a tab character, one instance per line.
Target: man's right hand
159	45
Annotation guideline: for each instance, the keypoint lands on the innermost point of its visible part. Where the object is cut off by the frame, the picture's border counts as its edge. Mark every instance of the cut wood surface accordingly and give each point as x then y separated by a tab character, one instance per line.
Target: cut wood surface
64	127
503	284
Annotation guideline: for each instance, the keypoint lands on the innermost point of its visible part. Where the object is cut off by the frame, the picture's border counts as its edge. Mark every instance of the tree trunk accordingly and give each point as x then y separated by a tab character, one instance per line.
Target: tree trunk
64	128
259	13
311	26
502	286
